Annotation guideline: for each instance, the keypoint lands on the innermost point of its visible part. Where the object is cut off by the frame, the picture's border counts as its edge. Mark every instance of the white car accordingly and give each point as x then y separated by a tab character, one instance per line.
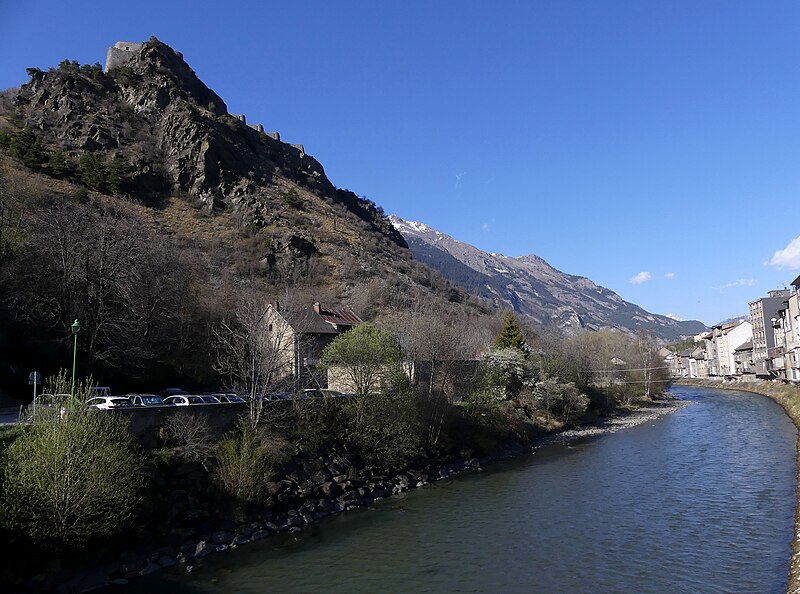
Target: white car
184	400
109	402
229	398
146	400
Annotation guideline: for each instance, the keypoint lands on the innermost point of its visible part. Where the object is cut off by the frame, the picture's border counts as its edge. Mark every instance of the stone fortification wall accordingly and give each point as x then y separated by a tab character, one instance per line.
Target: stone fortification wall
121	54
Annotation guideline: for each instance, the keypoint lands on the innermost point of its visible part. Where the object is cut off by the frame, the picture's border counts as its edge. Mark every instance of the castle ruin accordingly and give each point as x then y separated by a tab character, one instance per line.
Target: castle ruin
121	54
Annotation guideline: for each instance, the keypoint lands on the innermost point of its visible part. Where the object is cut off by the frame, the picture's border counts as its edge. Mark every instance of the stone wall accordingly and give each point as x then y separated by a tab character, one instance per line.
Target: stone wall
121	54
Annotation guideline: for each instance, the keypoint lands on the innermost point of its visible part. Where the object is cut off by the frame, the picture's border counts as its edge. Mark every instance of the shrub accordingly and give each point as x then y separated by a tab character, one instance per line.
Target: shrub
190	435
246	461
71	480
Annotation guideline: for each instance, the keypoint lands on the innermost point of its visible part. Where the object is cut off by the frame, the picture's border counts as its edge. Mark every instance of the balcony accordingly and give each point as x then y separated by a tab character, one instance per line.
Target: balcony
776	352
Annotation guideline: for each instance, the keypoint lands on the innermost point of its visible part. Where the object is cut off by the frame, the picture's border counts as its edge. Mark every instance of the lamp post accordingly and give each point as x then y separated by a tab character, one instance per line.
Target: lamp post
76	327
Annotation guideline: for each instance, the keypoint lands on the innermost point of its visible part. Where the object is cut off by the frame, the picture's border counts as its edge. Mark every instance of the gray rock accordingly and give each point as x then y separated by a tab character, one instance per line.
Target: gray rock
247	529
259	535
150	568
132	562
202	549
222	537
166	561
92	581
239	539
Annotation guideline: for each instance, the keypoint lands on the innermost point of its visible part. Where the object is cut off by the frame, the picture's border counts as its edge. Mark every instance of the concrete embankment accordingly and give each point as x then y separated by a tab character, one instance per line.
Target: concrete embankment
788	396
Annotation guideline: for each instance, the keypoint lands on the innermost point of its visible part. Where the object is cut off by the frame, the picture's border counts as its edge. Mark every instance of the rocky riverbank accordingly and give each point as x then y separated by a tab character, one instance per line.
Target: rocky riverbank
639	416
311	487
788	396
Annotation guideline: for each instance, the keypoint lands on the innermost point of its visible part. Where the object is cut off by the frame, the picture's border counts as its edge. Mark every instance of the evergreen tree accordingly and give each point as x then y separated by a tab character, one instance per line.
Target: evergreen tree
510	336
93	171
116	173
57	163
34	156
21	142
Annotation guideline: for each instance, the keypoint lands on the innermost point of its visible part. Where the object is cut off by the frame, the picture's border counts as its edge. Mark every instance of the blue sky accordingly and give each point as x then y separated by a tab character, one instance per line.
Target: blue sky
619	140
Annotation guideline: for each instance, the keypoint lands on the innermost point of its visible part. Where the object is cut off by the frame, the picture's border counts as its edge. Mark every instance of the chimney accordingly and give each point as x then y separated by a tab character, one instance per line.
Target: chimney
317	307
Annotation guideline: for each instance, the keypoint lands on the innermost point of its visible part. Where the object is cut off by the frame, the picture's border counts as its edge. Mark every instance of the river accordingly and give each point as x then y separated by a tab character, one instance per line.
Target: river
701	500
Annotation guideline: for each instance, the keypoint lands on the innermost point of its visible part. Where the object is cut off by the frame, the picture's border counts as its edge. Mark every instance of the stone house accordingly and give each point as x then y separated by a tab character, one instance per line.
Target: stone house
692	363
761	313
784	355
300	336
721	344
743	359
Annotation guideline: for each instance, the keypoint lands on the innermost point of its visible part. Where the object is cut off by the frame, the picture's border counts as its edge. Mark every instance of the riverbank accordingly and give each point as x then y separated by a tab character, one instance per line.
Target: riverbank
788	397
645	414
312	486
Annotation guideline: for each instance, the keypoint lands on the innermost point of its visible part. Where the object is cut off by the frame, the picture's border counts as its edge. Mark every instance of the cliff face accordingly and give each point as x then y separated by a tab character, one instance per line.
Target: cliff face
535	289
175	135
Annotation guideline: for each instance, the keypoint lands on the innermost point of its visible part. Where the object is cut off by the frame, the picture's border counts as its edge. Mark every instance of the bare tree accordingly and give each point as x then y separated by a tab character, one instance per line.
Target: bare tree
99	264
440	344
10	215
256	351
647	357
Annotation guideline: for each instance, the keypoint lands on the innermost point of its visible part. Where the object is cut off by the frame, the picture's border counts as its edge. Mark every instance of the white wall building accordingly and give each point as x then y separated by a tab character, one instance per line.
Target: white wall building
724	340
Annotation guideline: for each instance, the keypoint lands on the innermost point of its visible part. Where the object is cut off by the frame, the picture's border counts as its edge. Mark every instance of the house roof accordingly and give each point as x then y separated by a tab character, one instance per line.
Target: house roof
747	346
321	320
340	317
687	353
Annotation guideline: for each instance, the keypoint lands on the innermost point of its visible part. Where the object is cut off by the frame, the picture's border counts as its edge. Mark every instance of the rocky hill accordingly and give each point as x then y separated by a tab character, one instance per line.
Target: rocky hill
143	163
535	289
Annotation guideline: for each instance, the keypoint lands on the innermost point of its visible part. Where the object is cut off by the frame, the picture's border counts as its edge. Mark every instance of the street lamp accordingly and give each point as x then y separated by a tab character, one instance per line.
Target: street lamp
76	327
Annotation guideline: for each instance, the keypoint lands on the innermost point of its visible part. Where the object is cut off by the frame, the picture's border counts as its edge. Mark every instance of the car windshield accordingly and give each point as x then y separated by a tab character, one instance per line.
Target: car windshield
196	400
151	400
119	401
209	399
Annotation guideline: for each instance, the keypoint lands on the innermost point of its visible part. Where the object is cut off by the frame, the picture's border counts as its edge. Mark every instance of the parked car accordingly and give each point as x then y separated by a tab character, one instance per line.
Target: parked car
108	402
230	399
46	406
183	400
99	391
309	393
277	396
146	400
209	399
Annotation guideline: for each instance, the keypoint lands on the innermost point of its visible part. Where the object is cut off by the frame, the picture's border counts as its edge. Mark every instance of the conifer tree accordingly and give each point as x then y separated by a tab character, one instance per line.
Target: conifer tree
57	163
510	336
116	174
93	173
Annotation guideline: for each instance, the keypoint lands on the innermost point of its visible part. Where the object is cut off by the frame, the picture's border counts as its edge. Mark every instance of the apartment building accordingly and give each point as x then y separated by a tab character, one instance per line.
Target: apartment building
761	313
721	344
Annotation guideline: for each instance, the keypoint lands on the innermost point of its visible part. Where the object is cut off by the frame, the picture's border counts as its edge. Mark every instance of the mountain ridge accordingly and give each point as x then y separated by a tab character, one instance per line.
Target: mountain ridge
534	288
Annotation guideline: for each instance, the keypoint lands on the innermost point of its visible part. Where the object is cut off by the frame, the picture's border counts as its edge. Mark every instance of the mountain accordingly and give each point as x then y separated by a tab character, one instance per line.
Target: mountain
533	288
131	198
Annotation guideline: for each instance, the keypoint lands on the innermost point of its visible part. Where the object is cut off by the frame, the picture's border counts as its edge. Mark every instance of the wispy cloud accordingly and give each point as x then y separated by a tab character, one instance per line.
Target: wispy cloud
670	276
458	178
486	227
788	257
640	278
739	282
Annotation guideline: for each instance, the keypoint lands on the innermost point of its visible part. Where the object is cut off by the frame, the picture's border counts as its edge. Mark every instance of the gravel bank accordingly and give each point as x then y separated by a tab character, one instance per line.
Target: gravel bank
638	417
